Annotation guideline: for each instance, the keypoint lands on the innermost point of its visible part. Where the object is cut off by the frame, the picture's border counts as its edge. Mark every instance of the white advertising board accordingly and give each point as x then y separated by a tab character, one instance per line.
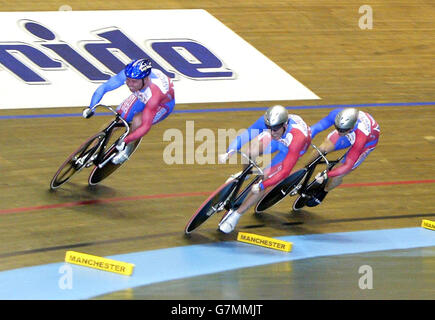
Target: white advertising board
58	59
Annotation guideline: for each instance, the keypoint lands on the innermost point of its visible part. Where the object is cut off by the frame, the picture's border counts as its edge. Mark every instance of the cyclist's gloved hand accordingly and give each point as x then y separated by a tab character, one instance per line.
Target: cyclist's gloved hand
87	113
321	176
222	158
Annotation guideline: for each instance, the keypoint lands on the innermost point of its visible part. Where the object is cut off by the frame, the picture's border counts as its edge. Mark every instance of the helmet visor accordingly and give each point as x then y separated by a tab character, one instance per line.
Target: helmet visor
341	130
275	128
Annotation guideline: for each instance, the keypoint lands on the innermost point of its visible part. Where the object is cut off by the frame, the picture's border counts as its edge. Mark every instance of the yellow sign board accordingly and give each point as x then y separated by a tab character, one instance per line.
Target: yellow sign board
428	224
100	263
264	241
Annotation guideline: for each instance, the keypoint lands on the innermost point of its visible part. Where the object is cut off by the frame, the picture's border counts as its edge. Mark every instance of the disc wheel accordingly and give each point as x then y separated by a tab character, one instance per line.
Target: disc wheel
280	191
213	204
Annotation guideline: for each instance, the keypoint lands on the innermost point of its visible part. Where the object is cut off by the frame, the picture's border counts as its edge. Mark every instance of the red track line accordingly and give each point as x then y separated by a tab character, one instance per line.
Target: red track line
179	195
96	201
386	183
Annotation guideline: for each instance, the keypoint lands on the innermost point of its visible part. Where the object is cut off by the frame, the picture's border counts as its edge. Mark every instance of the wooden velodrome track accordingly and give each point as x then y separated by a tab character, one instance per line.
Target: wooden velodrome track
317	42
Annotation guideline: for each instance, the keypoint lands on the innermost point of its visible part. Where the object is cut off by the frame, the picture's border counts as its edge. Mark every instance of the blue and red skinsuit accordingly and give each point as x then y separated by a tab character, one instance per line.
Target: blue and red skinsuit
362	140
291	146
156	101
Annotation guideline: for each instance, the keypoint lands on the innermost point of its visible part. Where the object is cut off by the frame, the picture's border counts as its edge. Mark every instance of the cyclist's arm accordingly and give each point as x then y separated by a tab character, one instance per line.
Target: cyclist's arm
289	161
254	130
326	147
325	123
352	155
148	115
113	83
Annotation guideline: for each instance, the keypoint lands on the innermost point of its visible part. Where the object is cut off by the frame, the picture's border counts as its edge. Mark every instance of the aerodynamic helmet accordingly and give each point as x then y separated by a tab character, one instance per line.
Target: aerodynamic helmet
275	117
346	119
138	69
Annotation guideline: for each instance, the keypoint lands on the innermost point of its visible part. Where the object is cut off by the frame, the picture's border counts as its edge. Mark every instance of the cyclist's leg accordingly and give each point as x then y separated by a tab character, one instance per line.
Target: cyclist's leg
318	192
343	143
273	169
335	142
298	146
164	111
133	115
266	146
229	222
130	110
334	182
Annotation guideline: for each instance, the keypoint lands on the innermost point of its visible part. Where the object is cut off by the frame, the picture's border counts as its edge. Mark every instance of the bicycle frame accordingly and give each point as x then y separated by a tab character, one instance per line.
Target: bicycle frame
118	122
225	197
236	199
321	159
92	152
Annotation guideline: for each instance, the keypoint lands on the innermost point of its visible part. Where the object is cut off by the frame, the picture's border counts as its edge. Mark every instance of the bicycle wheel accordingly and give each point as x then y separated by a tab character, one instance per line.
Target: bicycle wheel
99	174
213	204
313	190
242	195
299	203
76	161
280	191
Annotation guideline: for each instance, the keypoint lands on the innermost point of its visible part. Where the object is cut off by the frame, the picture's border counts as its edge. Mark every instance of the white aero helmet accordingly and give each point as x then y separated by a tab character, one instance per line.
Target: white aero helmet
275	116
346	119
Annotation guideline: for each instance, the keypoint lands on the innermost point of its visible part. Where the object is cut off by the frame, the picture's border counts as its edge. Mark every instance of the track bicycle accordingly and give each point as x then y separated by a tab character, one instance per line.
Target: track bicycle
228	196
298	183
95	151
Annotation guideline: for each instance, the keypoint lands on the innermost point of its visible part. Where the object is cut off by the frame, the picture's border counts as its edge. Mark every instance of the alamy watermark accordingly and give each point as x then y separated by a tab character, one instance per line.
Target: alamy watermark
65	7
366	20
66	279
366	280
204	145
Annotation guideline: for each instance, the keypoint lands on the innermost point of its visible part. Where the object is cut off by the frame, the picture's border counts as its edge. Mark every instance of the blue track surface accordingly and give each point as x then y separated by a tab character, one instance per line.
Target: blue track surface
42	282
205	110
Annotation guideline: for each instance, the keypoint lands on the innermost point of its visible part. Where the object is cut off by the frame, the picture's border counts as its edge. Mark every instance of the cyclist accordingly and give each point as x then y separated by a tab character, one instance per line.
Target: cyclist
354	129
151	101
275	131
